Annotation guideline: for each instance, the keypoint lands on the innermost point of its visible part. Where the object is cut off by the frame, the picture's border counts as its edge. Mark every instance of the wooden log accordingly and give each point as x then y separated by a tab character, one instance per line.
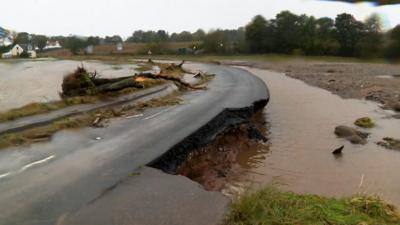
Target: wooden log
119	85
102	81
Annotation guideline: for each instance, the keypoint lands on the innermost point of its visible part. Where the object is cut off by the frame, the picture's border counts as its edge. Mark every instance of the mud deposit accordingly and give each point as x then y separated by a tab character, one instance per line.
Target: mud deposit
226	158
377	82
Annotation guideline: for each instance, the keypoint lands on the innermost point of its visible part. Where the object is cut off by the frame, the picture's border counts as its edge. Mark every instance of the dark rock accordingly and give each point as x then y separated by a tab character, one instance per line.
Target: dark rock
338	150
396	107
390	143
254	133
351	134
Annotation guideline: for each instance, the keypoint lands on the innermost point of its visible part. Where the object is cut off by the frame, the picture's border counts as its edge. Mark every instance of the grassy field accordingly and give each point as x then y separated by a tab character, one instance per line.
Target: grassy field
120	58
128	49
264	57
271	207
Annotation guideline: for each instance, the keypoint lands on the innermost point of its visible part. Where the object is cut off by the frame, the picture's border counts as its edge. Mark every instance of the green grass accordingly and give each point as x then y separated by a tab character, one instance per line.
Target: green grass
272	207
38	108
44	133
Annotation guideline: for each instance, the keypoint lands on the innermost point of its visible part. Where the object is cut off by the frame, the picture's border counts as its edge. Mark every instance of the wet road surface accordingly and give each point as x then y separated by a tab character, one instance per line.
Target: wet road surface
42	183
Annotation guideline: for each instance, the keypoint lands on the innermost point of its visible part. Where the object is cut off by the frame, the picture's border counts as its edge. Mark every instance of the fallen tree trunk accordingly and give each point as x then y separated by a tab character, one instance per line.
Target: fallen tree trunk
119	85
170	78
102	81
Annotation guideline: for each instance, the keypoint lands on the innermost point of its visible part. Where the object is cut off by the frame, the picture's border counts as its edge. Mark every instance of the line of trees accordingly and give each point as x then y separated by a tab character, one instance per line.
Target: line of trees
287	33
344	36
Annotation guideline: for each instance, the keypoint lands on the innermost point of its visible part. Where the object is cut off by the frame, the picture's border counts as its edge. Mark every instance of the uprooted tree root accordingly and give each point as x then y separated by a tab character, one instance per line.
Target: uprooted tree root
81	82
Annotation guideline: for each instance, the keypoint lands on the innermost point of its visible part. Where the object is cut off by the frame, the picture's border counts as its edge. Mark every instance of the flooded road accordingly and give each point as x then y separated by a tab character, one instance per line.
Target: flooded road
26	81
301	121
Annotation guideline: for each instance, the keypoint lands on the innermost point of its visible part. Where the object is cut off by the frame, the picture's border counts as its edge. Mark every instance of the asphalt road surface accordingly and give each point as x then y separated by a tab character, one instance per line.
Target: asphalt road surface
59	181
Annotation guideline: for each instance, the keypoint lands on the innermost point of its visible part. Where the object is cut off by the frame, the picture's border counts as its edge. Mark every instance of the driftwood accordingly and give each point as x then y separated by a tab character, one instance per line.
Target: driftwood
178	81
81	82
119	84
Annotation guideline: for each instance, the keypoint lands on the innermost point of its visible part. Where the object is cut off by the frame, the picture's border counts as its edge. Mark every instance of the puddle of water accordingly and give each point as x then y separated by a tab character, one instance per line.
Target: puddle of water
40	81
389	76
301	120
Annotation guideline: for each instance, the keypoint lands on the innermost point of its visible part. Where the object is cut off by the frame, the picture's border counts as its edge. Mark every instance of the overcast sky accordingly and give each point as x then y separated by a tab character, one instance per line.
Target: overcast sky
108	17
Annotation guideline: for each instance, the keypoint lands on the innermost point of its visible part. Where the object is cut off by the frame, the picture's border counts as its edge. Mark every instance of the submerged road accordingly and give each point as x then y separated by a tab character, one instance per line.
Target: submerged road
46	183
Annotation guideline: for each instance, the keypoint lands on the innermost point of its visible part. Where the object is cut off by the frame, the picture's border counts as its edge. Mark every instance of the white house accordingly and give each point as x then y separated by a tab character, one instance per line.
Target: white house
120	47
89	49
16	50
52	45
6	55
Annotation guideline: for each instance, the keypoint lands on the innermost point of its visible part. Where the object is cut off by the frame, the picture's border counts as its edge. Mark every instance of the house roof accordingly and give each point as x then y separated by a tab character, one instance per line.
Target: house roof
25	47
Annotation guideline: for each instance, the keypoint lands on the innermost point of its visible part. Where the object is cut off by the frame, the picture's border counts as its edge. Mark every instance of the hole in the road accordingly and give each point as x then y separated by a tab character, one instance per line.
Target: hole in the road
221	151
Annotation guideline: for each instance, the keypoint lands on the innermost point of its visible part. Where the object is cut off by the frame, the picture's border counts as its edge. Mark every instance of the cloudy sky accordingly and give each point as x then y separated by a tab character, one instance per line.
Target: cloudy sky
108	17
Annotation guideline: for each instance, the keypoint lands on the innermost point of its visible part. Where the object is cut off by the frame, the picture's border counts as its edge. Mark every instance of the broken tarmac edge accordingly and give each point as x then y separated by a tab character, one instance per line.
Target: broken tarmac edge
157	191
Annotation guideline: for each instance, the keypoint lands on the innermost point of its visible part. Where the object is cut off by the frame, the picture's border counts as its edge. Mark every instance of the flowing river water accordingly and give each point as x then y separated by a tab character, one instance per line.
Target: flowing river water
300	122
26	81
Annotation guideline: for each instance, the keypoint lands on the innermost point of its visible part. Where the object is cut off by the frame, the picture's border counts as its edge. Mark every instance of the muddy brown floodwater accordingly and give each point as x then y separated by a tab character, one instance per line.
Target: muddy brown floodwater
300	122
27	81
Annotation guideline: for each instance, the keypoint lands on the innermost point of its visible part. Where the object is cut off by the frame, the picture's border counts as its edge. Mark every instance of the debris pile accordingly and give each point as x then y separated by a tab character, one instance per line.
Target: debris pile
81	82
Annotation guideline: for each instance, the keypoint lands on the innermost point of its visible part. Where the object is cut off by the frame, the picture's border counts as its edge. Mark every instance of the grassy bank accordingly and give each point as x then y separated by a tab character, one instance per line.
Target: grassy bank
44	133
38	108
271	207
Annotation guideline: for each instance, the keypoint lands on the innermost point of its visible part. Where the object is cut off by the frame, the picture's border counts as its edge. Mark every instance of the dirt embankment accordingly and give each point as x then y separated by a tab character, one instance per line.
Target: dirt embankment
372	81
219	162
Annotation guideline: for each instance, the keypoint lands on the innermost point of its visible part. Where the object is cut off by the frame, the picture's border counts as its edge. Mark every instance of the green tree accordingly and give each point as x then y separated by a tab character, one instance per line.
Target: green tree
137	36
199	35
75	44
349	33
256	34
22	38
161	36
113	39
40	41
184	36
93	40
371	43
289	33
393	49
326	43
308	34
